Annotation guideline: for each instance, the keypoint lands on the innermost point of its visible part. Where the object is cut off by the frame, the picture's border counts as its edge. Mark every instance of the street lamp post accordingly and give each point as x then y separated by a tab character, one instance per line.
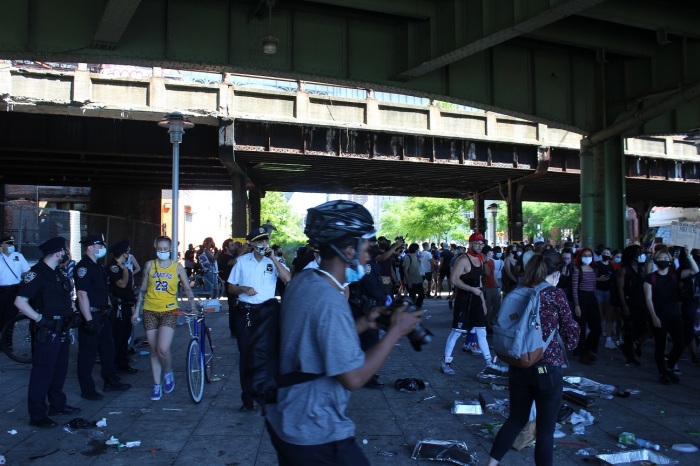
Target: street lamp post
493	210
176	123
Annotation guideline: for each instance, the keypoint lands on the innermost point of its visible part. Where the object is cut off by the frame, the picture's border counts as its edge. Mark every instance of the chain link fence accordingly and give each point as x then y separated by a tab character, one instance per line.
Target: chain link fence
32	225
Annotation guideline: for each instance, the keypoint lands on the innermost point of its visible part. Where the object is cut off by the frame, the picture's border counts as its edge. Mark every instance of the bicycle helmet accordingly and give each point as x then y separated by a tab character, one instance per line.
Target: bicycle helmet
335	220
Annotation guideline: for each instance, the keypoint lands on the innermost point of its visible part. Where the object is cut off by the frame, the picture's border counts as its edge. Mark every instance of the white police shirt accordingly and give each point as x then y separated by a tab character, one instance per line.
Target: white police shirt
11	268
260	275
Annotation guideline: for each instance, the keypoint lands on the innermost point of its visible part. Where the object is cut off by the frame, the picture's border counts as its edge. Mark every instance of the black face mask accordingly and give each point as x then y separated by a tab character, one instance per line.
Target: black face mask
663	264
606	258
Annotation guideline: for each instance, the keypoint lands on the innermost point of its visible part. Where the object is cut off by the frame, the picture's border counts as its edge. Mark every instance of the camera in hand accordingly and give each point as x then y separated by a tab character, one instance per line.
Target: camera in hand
418	337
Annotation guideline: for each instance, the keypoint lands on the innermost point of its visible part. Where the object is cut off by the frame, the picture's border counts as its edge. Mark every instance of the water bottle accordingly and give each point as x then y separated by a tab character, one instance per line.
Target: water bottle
647	444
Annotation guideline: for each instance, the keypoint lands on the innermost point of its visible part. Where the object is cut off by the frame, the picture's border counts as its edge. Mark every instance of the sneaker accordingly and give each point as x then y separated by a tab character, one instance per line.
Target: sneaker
446	369
675	369
496	367
609	344
474	348
157	392
169	382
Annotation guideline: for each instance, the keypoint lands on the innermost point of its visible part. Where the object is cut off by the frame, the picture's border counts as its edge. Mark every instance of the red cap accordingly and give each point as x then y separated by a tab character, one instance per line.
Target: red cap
476	237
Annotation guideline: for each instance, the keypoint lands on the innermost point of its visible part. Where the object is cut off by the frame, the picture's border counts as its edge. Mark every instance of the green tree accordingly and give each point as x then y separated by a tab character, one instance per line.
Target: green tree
422	218
550	220
289	231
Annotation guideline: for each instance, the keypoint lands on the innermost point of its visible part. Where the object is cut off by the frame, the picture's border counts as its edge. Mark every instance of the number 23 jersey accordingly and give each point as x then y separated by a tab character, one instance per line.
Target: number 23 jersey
161	294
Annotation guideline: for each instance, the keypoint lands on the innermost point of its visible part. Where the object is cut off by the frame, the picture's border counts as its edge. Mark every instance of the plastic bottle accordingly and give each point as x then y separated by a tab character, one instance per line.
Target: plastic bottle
647	444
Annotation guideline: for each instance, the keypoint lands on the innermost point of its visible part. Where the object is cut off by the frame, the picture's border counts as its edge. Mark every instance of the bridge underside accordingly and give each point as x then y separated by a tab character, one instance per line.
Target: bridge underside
78	151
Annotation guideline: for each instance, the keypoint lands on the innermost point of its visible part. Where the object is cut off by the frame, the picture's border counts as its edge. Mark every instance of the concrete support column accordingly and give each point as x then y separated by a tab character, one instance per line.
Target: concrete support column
643	209
239	207
372	111
82	84
614	201
301	109
254	196
587	194
157	95
479	214
515	212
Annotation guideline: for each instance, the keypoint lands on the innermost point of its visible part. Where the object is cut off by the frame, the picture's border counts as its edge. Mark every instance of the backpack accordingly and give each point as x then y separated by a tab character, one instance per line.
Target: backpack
517	337
260	361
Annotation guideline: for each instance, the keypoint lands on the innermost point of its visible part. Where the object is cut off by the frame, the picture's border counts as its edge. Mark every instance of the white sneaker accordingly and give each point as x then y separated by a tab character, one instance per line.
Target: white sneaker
609	344
445	367
496	367
474	348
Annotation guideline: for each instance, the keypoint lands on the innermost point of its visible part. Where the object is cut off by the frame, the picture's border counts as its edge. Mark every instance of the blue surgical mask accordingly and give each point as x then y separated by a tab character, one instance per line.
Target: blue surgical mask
163	255
617	260
642	258
10	249
100	253
586	260
354	274
498	255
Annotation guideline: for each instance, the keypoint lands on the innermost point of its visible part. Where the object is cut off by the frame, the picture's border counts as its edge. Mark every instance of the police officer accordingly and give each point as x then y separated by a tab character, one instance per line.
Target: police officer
253	280
121	287
45	298
12	267
95	335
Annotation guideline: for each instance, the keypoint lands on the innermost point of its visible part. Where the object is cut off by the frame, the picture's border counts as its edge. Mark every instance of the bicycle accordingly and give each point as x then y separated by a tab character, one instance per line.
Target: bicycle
16	339
199	364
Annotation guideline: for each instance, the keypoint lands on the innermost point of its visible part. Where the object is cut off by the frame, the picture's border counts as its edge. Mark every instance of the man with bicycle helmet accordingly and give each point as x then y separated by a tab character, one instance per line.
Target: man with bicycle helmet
319	336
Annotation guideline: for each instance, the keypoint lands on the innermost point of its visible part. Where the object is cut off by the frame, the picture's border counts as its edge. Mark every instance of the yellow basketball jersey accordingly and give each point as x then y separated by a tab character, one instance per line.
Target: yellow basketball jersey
161	294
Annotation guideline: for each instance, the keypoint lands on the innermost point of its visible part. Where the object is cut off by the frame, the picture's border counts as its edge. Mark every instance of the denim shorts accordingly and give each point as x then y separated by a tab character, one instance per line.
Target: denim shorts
602	296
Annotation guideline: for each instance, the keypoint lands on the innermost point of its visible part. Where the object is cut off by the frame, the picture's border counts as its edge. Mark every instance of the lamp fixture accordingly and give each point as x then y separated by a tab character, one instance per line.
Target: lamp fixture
269	42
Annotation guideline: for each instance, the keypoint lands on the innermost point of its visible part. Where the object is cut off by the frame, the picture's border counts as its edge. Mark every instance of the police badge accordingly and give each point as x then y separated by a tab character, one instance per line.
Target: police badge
82	271
29	277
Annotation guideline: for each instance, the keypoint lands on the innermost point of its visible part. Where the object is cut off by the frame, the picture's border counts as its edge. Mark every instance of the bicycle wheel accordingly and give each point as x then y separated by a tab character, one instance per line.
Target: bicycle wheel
208	355
195	371
16	339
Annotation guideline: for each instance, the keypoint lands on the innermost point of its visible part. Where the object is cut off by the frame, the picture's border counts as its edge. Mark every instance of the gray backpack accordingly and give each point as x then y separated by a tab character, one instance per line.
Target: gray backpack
517	337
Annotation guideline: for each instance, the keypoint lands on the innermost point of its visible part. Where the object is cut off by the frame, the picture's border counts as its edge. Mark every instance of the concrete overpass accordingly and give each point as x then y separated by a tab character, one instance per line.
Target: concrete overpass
84	126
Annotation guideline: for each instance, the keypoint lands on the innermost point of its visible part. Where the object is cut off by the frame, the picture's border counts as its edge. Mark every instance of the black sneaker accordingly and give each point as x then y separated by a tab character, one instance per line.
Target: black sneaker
115	386
45	423
247	407
92	396
66	411
127	370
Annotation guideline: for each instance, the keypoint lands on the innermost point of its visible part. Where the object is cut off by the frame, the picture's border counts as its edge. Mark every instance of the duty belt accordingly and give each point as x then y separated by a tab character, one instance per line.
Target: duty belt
4	288
100	310
248	307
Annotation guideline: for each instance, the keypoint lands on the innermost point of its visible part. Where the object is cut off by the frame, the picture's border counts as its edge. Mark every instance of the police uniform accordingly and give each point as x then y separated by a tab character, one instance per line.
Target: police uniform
12	266
262	276
123	300
95	336
49	293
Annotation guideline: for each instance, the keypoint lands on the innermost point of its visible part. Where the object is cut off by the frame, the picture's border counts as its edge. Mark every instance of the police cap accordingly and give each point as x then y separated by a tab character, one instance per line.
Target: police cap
53	245
9	239
260	233
98	238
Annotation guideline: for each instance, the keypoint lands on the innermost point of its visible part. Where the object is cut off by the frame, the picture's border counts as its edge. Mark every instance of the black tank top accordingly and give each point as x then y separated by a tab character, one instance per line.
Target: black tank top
473	277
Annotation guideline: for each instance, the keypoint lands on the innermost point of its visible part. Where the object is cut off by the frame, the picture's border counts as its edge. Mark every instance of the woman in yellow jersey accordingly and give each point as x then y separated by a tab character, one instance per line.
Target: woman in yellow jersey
159	286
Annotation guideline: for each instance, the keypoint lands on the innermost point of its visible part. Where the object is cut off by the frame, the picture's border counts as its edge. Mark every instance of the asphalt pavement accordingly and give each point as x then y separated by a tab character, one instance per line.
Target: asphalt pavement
176	431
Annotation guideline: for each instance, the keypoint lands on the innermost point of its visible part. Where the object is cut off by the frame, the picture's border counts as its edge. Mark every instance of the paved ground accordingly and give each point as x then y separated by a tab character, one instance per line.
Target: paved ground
177	431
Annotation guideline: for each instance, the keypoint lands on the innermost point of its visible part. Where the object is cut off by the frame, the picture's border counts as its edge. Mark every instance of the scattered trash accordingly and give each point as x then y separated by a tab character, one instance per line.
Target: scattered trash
452	451
96	434
112	441
74	425
692	432
565	413
579	429
647	444
12	432
135	443
583	417
172	409
409	385
685	447
10	411
429	398
633	456
633	391
626	438
559	434
498	387
2	459
587	452
467	407
102	423
365	441
114	412
145	410
491	379
144	353
215	379
387	453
